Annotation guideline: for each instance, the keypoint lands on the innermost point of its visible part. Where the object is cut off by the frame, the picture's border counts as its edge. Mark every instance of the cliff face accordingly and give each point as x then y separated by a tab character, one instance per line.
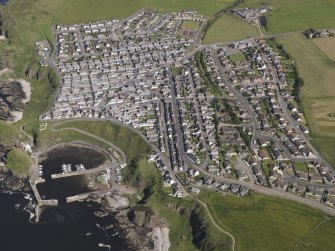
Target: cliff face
11	96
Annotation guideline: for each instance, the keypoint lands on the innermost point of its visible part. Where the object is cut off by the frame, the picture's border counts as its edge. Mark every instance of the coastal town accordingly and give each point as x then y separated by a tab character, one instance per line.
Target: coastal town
221	117
199	125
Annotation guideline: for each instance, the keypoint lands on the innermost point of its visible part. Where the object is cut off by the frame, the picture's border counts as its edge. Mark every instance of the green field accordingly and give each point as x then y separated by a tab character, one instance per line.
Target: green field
229	28
238	57
129	142
266	223
18	161
7	132
190	25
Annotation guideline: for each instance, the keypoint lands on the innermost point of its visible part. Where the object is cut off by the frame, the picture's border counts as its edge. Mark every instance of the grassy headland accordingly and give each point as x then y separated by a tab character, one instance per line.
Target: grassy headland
18	161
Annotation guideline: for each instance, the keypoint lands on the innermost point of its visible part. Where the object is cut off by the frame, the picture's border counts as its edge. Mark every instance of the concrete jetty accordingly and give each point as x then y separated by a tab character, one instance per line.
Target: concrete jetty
84	196
40	202
87	171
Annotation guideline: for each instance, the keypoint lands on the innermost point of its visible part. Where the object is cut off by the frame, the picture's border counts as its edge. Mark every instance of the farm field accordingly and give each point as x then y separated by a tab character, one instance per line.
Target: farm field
229	28
261	222
327	46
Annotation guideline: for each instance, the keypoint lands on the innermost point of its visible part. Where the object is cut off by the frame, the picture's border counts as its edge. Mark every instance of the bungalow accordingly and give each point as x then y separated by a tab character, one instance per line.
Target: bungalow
322	169
241	175
225	186
262	142
275	175
330	201
280	184
256	170
244	190
330	177
277	154
314	191
298	188
235	188
316	178
194	190
260	179
263	154
303	176
304	129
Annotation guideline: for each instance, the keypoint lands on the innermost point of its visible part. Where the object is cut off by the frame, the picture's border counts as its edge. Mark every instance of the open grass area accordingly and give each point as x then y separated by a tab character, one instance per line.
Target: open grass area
300	167
238	57
229	28
261	222
10	135
18	161
129	142
49	138
326	45
190	25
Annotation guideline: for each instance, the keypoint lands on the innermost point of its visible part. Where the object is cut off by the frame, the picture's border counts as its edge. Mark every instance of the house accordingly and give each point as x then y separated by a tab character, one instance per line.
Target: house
275	175
244	190
322	169
280	184
298	188
194	190
311	190
263	154
330	177
260	179
241	175
330	201
304	129
256	170
225	186
262	142
303	176
235	188
316	178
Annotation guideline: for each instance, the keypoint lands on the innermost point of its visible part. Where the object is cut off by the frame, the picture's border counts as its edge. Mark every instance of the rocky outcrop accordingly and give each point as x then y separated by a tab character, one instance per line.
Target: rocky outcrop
11	98
136	222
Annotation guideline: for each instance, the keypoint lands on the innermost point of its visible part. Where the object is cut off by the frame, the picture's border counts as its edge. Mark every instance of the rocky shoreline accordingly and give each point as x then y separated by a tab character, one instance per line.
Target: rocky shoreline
136	222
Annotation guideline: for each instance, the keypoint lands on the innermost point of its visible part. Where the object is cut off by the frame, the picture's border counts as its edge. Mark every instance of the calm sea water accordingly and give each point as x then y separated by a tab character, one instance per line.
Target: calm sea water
65	228
68	227
65	187
3	2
